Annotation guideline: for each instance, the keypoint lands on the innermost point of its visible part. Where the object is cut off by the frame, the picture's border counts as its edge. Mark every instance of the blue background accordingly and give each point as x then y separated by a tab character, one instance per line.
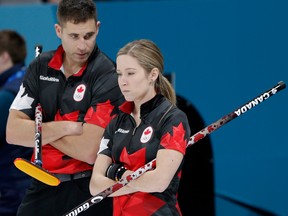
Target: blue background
223	53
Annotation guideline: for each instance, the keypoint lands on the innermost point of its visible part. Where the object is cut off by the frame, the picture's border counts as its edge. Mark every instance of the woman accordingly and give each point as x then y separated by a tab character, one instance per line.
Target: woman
150	126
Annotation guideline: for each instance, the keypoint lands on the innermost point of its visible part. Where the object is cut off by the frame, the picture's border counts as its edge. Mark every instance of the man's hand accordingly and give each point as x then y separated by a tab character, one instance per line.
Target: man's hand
73	128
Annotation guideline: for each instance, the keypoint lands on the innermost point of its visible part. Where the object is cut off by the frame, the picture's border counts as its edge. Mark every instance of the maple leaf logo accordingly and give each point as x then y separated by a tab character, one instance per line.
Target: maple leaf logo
101	115
146	135
103	144
134	160
79	92
22	102
80	89
146	132
176	140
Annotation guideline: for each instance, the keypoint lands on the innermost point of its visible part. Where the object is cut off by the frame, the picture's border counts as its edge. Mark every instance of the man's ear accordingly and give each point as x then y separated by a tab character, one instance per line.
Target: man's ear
97	27
58	30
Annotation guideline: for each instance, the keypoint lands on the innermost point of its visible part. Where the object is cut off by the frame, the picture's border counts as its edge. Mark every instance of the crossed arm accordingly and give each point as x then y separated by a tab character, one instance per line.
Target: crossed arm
157	180
71	138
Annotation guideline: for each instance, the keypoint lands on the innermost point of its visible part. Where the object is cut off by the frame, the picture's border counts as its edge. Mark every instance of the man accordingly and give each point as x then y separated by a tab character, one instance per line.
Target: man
13	182
77	88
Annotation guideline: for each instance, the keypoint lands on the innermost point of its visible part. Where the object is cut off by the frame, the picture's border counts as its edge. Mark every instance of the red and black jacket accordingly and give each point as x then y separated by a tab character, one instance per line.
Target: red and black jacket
163	126
91	95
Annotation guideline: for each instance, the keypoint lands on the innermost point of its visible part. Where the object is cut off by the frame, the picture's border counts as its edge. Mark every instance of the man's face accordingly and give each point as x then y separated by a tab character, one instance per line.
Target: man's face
78	40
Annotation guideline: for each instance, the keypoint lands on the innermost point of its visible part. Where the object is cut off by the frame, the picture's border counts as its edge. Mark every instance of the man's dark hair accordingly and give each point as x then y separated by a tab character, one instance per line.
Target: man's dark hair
14	44
76	11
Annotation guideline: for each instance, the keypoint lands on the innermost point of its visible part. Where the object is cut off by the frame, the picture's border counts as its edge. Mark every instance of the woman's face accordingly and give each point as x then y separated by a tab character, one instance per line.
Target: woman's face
136	85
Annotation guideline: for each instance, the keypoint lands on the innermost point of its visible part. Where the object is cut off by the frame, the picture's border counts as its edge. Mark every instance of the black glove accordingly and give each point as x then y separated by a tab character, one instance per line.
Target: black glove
115	171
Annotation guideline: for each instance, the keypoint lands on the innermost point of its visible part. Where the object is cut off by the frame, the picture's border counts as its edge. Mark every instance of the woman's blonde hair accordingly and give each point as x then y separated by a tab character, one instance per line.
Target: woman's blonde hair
149	56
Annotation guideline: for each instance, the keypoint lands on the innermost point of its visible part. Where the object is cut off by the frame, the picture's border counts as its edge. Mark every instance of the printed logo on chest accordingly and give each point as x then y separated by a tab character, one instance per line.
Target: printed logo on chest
79	93
146	135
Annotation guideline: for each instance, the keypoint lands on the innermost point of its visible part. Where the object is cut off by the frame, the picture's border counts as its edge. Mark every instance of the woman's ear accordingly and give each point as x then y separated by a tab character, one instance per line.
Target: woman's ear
154	74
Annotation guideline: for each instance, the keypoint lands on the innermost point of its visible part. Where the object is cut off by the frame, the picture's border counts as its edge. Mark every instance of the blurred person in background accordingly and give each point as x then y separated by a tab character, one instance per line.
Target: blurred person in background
19	1
13	182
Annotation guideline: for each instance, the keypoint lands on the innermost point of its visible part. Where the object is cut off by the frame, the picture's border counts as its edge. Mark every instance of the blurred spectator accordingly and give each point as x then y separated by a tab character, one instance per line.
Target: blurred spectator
7	2
19	1
13	182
